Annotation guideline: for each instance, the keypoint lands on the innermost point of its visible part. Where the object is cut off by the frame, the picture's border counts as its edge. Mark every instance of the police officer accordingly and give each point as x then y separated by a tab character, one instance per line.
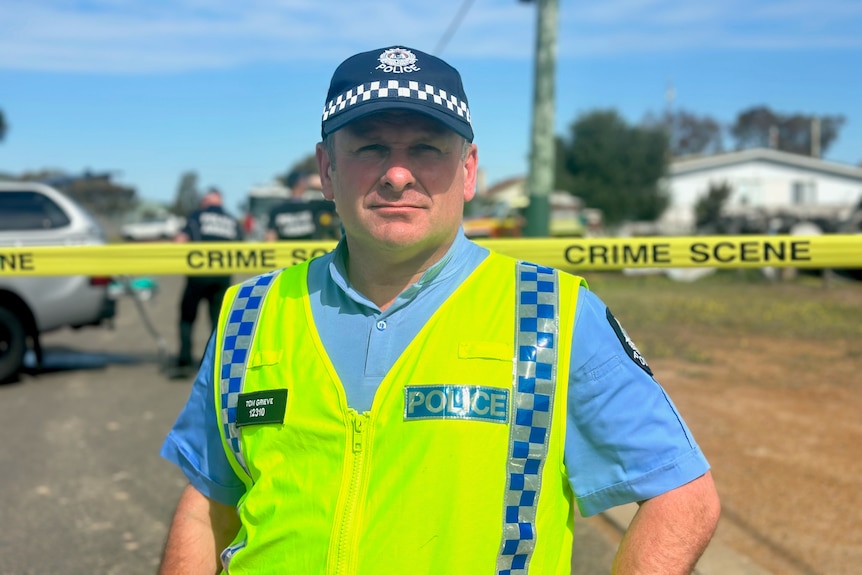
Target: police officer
412	402
209	223
298	217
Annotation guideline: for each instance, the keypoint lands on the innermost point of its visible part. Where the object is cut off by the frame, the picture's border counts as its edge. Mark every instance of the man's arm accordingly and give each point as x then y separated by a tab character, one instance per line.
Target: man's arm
670	532
200	530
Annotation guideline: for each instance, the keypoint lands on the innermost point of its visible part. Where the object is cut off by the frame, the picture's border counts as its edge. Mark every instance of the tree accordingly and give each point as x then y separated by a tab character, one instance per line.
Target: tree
4	127
94	190
760	126
307	165
708	208
755	128
689	133
614	167
188	197
97	192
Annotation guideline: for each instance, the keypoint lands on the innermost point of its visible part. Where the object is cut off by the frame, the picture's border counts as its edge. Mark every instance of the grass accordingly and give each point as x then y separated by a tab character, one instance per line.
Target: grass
663	316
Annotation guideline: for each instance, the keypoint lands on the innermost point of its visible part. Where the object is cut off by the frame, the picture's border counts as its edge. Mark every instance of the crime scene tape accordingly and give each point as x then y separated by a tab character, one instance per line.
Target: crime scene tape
569	254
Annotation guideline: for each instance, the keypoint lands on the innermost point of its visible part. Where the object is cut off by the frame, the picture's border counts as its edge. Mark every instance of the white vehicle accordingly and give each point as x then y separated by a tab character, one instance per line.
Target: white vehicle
33	214
151	222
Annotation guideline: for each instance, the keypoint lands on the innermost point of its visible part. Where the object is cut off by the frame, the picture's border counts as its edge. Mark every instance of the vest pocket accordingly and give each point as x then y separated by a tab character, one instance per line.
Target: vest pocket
264	357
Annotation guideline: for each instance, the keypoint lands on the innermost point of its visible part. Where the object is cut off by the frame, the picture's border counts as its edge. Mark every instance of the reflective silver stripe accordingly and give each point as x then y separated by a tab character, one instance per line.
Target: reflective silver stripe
228	554
238	334
536	333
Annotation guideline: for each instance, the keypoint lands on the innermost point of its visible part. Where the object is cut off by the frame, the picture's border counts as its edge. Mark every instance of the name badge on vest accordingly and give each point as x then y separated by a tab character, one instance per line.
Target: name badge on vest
475	402
261	407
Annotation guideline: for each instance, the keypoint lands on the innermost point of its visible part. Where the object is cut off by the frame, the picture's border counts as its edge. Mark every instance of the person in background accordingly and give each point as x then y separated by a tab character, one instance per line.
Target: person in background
412	402
300	217
248	224
209	223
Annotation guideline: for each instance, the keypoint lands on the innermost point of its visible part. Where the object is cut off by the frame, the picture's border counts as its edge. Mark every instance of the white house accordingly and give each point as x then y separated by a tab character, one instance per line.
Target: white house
760	178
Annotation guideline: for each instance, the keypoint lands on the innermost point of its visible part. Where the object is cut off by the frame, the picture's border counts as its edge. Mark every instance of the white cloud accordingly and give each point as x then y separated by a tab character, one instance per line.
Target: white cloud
619	27
140	36
116	35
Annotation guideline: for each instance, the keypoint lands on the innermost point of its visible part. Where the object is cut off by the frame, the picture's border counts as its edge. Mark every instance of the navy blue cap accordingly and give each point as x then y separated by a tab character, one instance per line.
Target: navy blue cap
396	78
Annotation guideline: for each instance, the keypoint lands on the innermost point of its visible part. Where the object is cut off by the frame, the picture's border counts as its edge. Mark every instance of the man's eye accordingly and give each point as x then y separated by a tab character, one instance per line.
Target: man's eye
426	149
373	149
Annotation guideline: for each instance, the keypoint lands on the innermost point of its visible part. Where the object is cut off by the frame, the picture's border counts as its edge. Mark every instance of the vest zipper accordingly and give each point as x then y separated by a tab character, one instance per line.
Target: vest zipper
346	532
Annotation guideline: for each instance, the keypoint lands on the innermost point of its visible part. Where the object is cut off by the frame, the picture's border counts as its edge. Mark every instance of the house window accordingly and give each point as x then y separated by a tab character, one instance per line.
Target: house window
748	191
803	193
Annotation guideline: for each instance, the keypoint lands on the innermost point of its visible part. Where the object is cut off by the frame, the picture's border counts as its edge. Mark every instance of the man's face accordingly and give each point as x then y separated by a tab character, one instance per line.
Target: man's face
400	180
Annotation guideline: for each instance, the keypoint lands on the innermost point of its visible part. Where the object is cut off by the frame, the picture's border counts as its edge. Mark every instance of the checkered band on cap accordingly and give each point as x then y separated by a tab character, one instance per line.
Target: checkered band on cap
536	336
236	342
409	89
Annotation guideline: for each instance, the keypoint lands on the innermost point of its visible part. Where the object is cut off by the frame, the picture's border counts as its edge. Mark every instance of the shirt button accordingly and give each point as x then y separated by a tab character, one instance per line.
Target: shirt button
381	325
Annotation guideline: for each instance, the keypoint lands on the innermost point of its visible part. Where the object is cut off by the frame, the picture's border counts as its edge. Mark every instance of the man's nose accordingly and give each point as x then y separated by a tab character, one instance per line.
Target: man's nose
397	174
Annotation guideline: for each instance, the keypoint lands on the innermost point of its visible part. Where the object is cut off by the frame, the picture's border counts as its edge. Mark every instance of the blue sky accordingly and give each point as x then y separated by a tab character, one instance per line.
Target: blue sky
234	90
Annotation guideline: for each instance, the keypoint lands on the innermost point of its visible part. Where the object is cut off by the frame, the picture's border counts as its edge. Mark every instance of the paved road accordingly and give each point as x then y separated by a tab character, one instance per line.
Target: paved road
84	490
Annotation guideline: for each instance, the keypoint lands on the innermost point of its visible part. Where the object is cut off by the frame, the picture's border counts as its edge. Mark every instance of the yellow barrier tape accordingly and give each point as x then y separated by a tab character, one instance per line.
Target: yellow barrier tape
824	251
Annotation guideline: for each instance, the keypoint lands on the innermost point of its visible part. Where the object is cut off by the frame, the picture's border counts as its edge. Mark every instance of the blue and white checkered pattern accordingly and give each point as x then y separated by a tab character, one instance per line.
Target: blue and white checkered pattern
533	399
238	335
396	89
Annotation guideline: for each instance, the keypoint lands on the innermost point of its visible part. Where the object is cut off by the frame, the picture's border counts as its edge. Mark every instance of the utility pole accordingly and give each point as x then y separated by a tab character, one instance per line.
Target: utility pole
540	179
815	137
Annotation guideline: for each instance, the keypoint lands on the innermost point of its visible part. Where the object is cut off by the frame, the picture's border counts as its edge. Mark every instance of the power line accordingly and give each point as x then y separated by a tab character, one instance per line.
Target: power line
453	26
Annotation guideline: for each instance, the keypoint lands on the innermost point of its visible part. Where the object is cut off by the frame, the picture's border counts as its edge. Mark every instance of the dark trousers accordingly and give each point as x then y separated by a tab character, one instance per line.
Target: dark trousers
199	288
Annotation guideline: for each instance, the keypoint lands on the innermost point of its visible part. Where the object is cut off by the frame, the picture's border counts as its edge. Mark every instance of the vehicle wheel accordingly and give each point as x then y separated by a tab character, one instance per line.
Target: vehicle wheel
13	344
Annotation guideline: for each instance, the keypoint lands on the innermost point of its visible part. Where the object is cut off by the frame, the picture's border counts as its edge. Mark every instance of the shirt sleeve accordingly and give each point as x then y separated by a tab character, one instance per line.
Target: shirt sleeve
191	227
270	220
240	232
194	443
625	440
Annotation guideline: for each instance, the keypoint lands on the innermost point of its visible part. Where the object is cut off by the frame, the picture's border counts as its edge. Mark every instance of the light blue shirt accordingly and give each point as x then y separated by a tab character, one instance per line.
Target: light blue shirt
625	440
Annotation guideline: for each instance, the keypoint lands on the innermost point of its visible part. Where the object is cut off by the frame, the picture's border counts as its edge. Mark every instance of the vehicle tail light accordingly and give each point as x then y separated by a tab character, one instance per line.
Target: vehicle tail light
100	281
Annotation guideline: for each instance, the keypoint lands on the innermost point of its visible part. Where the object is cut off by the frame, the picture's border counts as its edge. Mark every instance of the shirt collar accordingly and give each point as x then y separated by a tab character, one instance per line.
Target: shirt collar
447	266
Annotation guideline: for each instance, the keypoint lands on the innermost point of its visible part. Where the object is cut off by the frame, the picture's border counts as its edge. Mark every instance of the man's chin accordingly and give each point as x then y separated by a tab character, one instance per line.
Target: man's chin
398	233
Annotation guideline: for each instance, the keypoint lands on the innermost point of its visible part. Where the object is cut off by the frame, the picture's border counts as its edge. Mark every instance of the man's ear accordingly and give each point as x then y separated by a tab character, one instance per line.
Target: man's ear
471	172
324	166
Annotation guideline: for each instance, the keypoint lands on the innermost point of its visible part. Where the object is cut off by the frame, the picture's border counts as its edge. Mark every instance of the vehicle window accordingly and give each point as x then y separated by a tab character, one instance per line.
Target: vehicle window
147	216
26	210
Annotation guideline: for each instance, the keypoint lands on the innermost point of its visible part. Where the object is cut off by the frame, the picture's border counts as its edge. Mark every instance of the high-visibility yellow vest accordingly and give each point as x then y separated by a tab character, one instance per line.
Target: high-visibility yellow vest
456	469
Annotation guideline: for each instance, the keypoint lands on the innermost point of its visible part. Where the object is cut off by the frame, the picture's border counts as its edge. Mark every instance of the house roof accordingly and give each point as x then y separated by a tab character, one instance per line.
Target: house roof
693	164
502	185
